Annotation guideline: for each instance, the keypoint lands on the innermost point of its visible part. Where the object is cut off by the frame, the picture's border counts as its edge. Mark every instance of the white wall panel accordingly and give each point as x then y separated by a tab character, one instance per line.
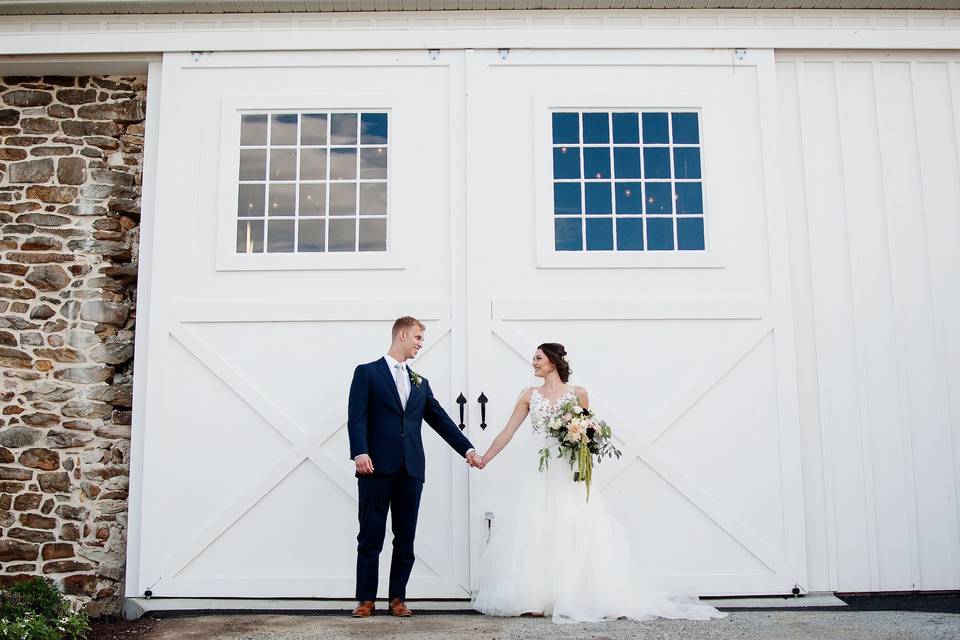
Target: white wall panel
872	175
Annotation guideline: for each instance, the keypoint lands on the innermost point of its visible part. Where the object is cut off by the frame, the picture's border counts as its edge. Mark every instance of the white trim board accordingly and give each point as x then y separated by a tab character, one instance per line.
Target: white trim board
574	29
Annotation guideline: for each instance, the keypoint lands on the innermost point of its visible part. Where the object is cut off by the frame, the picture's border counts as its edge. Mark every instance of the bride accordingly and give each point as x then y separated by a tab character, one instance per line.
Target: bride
558	554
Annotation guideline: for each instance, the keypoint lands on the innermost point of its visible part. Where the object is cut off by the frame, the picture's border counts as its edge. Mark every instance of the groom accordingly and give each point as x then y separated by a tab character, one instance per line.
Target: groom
388	403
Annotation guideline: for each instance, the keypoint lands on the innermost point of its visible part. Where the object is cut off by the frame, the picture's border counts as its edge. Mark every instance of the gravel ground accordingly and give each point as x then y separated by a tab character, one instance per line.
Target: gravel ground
739	625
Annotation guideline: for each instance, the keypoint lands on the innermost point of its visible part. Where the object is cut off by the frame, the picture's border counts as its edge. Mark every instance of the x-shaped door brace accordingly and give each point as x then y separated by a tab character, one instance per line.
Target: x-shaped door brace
668	414
305	447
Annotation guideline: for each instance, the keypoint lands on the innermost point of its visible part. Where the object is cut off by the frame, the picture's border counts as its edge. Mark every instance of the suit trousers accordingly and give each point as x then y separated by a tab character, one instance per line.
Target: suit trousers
399	493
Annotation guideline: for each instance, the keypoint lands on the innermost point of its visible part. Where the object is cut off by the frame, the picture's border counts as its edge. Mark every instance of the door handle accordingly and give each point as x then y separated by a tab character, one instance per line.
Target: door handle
483	410
461	401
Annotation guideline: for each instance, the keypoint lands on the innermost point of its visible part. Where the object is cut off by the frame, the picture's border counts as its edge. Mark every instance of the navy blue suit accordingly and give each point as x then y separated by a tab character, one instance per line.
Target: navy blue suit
380	427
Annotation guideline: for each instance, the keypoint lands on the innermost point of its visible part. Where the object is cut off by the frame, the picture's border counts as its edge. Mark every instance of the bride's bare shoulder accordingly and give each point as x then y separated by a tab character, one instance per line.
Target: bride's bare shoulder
581	393
525	395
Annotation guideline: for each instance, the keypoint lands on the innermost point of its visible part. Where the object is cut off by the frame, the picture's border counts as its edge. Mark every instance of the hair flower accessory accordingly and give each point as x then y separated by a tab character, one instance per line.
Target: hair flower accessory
565	358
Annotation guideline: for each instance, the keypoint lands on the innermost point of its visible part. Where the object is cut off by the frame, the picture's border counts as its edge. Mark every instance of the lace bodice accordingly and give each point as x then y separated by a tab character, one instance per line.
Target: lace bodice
542	408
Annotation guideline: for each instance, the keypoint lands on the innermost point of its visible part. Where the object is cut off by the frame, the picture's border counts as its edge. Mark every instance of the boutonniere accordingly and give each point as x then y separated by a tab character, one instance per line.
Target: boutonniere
414	377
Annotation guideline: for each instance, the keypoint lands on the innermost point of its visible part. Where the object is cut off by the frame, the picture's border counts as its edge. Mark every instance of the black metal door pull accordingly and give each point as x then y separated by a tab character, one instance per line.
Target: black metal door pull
483	410
461	401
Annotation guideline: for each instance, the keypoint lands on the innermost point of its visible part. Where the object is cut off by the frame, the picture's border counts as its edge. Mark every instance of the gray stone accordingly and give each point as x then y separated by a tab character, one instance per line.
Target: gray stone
90	128
14	473
30	535
114	353
21	98
43	312
68	439
109	176
71	170
78	409
113	431
58	482
71	512
40	419
31	171
51	151
48	277
39	125
126	111
62	354
86	375
43	219
105	312
9	117
13	550
77	96
60	111
15	358
19	437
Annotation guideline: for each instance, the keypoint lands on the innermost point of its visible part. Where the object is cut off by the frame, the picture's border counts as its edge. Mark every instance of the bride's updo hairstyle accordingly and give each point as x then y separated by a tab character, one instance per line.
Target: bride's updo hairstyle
557	355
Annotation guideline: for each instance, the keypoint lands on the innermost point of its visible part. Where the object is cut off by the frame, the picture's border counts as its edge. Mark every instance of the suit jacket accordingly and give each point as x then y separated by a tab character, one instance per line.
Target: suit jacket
380	427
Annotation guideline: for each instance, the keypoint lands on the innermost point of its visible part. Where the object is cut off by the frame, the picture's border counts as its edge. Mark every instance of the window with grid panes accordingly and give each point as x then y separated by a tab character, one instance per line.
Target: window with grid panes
627	181
313	181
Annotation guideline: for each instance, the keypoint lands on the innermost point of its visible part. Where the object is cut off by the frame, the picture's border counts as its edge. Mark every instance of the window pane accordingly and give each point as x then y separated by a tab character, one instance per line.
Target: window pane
283	164
566	197
343	164
566	162
656	162
253	129
280	236
596	162
249	236
599	234
629	198
251	199
313	164
313	199
596	128
685	129
689	197
626	162
566	128
373	129
690	233
373	199
343	235
343	200
659	199
282	202
283	129
373	163
373	234
659	234
626	128
686	162
599	198
568	234
655	129
313	128
253	164
630	234
343	128
310	238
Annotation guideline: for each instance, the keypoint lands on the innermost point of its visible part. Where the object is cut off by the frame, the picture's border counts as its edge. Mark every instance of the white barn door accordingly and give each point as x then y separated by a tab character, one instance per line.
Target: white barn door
688	354
248	489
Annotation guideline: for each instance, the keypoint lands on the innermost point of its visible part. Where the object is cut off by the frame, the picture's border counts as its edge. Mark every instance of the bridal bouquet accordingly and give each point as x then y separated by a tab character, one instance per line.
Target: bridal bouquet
581	437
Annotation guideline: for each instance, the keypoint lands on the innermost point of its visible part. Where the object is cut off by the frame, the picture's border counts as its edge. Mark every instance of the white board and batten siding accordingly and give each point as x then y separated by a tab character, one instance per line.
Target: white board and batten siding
794	419
872	168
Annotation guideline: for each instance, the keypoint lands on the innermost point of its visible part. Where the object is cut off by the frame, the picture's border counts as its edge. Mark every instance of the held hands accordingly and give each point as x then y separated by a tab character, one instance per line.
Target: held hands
475	461
364	465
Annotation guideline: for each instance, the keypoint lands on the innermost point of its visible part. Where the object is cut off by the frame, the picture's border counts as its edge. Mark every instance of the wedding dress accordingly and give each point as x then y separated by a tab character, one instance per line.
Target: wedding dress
562	556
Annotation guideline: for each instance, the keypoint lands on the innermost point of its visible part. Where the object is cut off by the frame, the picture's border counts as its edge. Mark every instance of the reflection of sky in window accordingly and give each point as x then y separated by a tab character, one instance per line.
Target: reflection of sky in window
627	181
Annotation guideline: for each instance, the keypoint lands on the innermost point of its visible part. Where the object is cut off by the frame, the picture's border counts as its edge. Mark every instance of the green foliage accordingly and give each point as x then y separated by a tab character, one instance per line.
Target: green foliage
35	610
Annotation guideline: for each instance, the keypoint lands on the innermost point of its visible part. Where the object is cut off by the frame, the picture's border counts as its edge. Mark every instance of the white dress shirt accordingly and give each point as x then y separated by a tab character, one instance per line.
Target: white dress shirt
403	392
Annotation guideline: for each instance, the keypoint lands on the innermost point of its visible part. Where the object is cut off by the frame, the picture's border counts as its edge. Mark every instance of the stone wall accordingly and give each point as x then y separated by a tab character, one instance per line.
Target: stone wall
70	175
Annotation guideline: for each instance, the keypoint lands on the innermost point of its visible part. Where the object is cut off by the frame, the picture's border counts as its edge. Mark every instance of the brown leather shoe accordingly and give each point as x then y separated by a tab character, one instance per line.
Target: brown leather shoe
399	608
364	609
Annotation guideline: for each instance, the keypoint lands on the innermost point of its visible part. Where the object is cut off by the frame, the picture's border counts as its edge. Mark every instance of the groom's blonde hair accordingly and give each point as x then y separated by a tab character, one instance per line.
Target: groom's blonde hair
406	322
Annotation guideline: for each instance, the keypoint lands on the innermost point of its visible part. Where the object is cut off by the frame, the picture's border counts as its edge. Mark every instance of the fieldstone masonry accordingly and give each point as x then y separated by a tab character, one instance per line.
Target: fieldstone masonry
70	176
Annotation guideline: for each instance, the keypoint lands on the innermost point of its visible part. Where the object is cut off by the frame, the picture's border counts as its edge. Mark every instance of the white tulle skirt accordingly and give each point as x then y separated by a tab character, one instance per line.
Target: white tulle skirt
559	555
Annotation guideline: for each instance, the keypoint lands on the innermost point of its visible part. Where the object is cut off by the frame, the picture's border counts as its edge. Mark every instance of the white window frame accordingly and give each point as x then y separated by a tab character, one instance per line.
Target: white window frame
227	258
547	255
